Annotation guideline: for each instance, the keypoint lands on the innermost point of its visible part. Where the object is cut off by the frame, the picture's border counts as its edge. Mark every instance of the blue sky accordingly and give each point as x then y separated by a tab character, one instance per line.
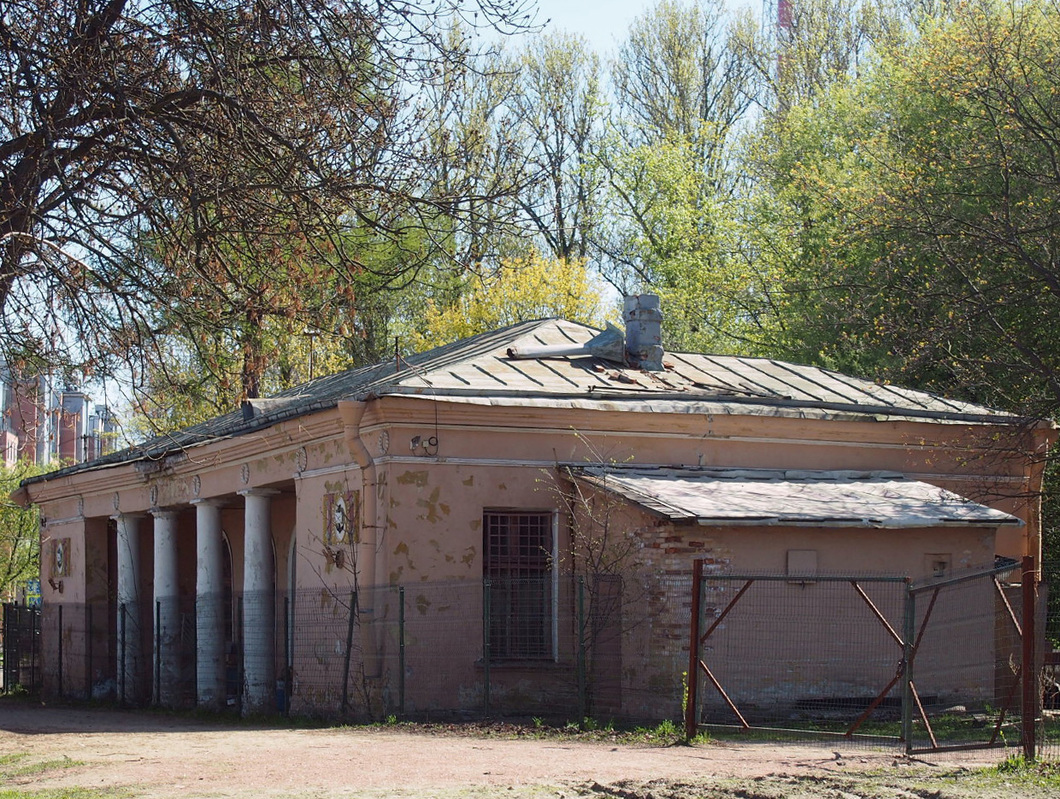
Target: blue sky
604	22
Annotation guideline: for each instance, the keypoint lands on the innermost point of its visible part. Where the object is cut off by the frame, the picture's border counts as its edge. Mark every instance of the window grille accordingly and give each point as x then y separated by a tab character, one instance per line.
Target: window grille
518	564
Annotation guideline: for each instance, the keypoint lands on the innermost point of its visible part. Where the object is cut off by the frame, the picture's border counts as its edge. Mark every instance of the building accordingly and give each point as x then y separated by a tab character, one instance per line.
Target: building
516	458
42	424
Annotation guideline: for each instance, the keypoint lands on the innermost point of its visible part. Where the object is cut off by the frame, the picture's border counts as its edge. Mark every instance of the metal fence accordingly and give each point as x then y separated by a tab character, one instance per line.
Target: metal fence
20	648
469	649
926	666
1049	728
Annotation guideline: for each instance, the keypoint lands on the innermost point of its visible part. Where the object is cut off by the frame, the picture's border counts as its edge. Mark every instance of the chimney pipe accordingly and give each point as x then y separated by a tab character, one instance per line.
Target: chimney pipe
608	345
644	332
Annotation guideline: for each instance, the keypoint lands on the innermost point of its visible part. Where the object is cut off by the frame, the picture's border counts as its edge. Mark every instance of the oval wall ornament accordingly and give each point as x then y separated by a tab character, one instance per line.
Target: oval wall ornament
196	485
244	473
117	500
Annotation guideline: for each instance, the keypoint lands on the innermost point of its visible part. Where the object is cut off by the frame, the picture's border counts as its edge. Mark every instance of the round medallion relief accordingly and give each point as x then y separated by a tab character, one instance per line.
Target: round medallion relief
244	473
302	459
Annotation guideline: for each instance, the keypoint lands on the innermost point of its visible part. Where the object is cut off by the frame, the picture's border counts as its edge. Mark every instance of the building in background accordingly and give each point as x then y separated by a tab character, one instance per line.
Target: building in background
44	424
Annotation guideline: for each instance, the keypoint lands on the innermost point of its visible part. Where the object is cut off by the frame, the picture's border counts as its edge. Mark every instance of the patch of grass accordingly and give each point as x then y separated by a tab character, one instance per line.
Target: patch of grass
18	765
1038	773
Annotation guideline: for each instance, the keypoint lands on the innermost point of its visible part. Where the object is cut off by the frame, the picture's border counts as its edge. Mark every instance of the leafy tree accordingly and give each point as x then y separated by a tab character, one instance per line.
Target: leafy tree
523	289
924	204
811	44
19	533
681	76
558	107
226	130
277	331
477	160
683	89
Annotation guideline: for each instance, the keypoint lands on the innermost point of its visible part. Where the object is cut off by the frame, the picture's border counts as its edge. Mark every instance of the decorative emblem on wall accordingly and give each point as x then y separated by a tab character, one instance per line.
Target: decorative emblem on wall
60	557
384	442
340	517
117	500
154	496
81	507
196	485
302	459
244	473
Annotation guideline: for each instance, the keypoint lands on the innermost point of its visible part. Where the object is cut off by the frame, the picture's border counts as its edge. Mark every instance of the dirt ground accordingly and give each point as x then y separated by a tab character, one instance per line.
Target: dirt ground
144	754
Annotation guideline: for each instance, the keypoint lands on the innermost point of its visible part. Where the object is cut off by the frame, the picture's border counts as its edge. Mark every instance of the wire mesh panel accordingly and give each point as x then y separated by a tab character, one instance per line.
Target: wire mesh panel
22	647
79	661
966	670
933	665
324	646
818	656
1049	601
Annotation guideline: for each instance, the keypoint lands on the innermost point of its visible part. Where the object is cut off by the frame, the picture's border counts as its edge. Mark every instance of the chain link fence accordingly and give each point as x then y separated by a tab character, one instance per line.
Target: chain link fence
928	665
560	647
1049	652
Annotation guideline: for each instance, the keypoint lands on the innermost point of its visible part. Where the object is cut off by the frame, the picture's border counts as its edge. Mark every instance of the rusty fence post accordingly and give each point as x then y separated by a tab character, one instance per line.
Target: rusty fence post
487	586
908	634
692	677
583	695
1029	703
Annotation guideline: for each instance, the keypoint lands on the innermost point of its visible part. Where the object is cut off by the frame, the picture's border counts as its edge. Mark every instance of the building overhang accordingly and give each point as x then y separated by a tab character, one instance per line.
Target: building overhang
791	498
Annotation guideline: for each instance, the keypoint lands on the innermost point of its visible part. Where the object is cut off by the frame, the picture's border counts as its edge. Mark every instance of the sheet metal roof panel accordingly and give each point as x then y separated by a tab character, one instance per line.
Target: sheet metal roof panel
478	370
770	498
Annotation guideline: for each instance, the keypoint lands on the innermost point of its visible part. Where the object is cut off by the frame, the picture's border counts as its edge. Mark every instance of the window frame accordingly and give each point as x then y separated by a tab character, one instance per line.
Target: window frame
527	565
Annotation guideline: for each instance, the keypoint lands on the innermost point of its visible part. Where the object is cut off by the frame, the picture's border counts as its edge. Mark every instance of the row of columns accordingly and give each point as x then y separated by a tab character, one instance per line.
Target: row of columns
258	605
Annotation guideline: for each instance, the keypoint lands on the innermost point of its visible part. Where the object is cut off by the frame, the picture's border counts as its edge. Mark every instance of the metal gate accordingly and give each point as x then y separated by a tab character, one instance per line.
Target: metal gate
21	648
929	665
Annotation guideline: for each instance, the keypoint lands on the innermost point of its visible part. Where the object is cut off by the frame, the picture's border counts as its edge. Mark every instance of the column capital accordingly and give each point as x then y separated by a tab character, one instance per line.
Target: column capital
132	516
258	492
214	502
164	513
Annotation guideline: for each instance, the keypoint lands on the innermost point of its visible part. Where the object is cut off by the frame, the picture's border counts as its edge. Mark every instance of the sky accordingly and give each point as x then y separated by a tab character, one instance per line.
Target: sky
604	22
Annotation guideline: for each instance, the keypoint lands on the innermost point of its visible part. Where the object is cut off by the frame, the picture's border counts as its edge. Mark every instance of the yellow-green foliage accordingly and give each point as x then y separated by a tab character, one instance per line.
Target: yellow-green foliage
523	289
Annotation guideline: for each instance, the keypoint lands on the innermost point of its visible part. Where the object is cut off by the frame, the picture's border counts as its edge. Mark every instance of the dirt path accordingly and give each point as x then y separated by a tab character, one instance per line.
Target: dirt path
162	756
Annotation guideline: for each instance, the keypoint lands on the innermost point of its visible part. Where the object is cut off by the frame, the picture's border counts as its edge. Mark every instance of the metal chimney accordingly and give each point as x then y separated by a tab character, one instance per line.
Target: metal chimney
644	332
608	345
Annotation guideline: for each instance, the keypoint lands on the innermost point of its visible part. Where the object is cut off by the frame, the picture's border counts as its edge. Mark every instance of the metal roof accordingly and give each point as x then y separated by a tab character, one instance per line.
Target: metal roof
479	370
791	498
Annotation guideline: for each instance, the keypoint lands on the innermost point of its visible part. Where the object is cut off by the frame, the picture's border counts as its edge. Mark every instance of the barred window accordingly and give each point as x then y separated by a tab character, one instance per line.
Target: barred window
518	566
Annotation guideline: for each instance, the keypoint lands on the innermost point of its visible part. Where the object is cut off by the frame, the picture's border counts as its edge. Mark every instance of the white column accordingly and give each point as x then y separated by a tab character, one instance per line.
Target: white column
130	650
209	605
259	610
166	608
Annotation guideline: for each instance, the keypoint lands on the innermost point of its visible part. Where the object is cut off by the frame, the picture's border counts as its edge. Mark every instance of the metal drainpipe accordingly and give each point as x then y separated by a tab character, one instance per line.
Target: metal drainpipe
352	411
